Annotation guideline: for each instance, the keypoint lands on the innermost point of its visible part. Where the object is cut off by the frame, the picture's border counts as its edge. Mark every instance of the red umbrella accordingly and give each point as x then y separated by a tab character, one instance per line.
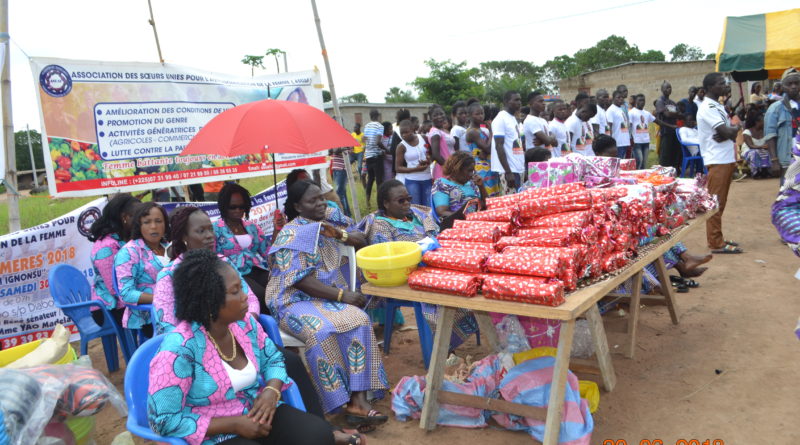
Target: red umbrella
269	126
272	126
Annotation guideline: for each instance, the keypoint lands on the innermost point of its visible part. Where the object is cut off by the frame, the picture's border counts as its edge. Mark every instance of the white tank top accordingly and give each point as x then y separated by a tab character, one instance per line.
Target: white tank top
244	241
413	155
241	378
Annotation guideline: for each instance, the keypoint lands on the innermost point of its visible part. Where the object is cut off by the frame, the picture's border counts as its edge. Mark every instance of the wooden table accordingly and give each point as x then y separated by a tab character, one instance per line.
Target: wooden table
582	302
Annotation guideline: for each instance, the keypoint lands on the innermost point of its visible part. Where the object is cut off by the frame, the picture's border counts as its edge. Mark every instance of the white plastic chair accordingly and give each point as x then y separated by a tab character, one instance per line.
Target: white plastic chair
346	251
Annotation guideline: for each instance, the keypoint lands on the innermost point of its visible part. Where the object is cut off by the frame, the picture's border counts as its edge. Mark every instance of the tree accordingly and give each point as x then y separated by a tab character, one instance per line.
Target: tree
358	98
613	50
685	53
22	153
275	52
499	76
448	82
711	56
397	96
326	96
254	62
560	67
652	55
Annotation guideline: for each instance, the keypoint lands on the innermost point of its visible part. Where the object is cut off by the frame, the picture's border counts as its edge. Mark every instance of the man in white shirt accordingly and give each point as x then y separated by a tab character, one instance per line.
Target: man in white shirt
717	144
579	129
599	121
508	156
640	123
618	121
536	129
559	130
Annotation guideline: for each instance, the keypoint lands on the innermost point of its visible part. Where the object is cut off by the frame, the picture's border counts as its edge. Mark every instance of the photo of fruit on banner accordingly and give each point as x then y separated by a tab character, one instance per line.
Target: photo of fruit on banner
540	244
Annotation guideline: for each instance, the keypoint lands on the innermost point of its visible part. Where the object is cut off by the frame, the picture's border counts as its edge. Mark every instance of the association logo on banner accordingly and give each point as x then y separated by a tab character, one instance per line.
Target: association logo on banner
55	81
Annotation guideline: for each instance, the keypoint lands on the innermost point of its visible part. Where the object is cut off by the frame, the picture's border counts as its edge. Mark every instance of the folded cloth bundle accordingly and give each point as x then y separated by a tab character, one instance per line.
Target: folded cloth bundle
627	164
538	264
556	190
473	235
462	260
463	284
602	166
500	202
504	214
550	173
571	219
504	228
523	289
555	204
467	245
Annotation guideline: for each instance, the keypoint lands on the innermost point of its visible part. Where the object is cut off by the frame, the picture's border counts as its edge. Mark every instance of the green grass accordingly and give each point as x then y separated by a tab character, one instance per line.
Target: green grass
35	210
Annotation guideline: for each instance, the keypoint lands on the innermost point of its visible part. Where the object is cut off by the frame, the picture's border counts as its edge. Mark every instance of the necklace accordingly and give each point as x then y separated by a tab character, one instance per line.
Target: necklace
219	350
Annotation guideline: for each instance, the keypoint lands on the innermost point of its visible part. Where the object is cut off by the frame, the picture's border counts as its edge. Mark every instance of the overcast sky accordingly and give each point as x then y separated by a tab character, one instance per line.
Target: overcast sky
373	45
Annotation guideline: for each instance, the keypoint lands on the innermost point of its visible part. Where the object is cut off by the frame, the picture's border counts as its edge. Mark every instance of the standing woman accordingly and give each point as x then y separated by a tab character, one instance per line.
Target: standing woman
109	233
309	294
442	143
480	142
413	164
139	261
240	240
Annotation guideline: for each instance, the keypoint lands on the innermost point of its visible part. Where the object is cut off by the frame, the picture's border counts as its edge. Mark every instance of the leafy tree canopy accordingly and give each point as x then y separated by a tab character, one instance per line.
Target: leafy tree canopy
448	82
357	98
397	96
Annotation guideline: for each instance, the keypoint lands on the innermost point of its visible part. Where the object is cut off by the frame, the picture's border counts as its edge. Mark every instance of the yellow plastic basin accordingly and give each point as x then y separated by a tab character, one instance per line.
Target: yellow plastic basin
11	355
389	264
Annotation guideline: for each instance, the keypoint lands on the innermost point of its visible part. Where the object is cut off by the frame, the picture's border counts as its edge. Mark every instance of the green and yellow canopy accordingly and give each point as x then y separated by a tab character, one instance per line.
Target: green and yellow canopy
765	44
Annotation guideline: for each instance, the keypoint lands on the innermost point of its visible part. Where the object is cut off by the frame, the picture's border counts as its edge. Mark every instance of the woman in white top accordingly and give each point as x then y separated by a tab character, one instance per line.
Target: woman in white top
412	162
754	148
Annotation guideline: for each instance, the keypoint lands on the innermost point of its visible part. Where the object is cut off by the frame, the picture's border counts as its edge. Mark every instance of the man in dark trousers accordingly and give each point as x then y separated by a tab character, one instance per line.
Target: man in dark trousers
667	116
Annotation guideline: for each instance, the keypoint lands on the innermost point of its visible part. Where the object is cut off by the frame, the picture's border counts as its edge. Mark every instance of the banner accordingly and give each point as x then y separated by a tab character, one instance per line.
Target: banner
115	126
27	311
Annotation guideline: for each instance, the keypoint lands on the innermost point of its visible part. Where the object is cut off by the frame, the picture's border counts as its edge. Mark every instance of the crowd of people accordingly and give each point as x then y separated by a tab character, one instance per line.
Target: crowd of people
218	377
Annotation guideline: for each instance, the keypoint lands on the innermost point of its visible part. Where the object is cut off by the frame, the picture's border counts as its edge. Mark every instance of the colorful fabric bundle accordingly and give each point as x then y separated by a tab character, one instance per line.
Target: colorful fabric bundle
472	235
523	289
550	173
538	264
602	166
463	284
462	260
504	228
467	245
567	219
505	214
555	204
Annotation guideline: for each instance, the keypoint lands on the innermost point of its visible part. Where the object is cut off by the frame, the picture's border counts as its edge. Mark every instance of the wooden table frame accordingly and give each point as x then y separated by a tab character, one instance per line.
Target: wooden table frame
582	302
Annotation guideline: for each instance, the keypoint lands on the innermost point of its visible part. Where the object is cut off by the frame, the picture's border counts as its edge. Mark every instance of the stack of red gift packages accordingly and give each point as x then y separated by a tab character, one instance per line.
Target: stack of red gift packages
534	245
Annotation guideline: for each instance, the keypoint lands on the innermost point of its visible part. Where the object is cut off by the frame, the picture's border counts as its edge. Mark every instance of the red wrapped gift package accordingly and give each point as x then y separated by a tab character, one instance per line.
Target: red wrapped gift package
572	219
463	284
467	245
499	202
505	214
472	235
462	260
523	289
538	264
503	227
555	204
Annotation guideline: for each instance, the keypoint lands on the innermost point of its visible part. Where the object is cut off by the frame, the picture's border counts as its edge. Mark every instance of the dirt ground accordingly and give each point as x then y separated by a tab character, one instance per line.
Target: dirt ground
727	372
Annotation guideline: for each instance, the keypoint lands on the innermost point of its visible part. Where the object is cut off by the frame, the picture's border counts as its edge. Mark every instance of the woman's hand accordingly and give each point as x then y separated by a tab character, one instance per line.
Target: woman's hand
250	429
264	407
355	298
356	239
328	230
278	219
477	180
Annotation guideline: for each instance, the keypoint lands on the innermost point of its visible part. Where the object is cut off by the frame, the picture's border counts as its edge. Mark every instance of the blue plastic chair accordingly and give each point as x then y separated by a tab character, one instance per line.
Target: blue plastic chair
137	381
696	162
134	337
270	326
73	295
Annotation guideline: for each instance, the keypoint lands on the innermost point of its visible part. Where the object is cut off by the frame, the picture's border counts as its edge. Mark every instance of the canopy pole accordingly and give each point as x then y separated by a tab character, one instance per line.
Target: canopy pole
33	161
337	114
152	22
10	179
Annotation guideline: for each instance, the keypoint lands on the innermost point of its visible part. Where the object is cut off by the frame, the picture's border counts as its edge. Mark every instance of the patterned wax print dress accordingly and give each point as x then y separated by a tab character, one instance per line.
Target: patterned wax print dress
137	269
341	350
103	252
381	229
483	167
242	259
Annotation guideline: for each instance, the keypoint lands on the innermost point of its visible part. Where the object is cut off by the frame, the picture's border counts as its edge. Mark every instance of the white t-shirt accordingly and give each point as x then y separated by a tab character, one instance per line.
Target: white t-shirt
577	132
532	125
505	125
690	139
698	102
711	115
413	155
559	130
600	120
640	121
461	133
618	122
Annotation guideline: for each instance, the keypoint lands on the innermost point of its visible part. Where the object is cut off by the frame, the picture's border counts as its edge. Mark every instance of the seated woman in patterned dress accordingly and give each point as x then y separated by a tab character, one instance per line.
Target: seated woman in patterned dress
204	380
398	220
460	191
309	295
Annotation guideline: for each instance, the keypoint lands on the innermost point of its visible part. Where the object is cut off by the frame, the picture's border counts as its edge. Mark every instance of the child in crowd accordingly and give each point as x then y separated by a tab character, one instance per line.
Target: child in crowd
426	126
558	129
605	145
479	141
688	135
618	121
388	157
460	121
640	121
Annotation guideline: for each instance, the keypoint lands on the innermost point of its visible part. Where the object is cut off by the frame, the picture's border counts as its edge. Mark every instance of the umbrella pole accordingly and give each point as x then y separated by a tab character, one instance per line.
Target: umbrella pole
354	204
275	182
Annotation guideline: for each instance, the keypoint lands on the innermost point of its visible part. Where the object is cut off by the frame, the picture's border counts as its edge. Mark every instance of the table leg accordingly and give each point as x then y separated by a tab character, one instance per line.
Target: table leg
633	313
666	289
441	345
558	386
600	347
487	329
